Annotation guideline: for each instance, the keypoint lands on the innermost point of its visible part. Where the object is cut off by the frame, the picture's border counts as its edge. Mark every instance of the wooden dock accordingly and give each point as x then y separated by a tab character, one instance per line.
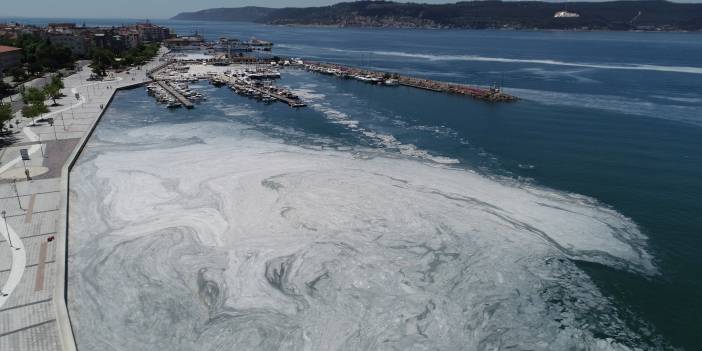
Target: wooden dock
182	99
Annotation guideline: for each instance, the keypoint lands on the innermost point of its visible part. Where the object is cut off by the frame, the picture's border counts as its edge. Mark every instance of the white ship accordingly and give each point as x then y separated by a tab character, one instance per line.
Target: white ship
566	14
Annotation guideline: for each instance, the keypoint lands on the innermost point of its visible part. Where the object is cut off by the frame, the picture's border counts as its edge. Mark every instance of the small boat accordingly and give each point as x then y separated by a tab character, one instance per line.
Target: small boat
174	105
391	82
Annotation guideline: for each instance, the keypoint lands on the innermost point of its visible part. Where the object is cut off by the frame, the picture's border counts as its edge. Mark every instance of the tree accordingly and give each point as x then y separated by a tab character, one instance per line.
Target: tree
34	110
53	89
34	103
5	89
102	59
5	114
33	95
35	68
18	73
56	80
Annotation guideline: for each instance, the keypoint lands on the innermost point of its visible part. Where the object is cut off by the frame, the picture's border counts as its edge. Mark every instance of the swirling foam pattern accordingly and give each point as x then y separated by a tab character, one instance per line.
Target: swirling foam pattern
242	242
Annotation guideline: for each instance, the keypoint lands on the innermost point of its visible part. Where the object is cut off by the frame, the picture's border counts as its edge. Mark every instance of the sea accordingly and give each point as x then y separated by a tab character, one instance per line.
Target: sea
393	218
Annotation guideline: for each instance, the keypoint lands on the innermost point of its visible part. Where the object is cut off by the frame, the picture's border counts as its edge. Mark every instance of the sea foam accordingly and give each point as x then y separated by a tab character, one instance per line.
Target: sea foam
244	242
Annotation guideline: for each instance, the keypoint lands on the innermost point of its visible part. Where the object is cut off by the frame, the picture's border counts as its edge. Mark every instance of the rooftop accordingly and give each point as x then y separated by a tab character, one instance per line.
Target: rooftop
4	49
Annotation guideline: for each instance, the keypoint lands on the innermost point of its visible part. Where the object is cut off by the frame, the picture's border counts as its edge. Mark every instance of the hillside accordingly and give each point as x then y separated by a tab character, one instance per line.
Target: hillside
241	14
614	15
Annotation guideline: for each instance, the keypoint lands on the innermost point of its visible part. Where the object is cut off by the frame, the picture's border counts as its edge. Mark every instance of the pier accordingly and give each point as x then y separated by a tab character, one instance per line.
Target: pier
182	99
491	94
257	90
285	99
289	101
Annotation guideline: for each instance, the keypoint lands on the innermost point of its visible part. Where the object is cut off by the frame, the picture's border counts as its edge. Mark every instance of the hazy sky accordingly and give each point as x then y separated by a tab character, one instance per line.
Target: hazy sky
142	9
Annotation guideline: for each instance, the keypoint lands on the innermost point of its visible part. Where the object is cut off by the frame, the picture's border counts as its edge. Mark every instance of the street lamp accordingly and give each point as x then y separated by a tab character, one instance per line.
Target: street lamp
14	186
7	229
51	123
63	123
41	146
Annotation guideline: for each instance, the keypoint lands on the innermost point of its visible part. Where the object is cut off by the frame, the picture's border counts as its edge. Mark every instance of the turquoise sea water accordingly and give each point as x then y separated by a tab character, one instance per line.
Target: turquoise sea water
614	116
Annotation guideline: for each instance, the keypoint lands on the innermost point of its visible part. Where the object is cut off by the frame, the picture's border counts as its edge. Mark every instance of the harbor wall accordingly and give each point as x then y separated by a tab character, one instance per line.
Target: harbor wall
60	296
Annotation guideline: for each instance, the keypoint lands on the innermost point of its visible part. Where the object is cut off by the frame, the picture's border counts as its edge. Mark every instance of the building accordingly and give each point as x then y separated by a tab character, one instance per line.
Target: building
151	33
9	57
78	44
81	39
130	37
61	27
566	14
193	42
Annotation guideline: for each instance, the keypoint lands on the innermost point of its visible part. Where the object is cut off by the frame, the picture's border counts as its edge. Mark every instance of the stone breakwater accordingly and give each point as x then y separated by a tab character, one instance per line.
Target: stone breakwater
492	94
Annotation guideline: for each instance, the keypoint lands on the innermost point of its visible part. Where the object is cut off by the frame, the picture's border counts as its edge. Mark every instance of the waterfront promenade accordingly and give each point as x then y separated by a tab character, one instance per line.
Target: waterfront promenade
33	314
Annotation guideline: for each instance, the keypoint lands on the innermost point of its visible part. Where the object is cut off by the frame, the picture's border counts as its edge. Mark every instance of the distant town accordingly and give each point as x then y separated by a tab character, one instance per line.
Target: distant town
28	52
638	15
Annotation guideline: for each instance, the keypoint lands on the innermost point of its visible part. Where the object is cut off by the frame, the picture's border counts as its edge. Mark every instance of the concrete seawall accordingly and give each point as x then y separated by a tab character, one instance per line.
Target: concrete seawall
34	196
60	296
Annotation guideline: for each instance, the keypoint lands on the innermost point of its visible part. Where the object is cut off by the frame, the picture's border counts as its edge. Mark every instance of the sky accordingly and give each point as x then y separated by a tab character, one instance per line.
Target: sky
144	9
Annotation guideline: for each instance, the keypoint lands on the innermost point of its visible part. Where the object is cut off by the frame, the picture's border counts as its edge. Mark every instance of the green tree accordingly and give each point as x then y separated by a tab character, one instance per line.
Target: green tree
56	80
34	110
5	114
102	60
33	95
34	102
53	91
40	54
18	73
35	68
5	89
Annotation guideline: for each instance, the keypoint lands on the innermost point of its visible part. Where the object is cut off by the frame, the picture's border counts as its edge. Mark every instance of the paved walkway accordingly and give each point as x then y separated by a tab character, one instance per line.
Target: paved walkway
30	318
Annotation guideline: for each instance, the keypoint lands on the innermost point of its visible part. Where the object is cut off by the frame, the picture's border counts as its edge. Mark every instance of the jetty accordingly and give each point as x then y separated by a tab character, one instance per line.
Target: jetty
490	94
256	89
292	102
180	98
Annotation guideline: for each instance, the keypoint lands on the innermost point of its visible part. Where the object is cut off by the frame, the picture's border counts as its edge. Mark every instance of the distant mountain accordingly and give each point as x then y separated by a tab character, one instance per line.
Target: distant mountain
613	15
240	14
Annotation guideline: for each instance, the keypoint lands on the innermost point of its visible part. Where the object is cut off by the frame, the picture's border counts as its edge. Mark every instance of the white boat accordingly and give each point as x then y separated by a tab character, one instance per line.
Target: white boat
174	104
391	82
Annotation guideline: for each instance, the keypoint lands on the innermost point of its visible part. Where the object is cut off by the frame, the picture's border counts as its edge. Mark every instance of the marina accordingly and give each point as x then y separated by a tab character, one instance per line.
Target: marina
170	87
233	63
251	80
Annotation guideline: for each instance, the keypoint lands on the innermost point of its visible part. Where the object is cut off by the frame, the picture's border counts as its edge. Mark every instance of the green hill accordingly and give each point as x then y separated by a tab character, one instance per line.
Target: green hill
241	14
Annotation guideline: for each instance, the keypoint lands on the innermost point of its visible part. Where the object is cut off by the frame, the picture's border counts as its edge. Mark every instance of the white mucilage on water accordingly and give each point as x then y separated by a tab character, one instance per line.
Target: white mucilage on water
244	242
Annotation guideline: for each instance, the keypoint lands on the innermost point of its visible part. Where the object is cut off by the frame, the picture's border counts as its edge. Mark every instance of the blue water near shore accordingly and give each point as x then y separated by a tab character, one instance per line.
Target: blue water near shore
615	116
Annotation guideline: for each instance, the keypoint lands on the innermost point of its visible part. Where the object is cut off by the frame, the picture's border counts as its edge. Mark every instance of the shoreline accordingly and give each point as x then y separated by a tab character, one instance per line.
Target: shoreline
37	304
61	288
452	29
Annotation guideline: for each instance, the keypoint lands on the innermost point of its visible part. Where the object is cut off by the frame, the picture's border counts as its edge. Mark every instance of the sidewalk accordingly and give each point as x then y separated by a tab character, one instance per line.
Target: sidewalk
32	315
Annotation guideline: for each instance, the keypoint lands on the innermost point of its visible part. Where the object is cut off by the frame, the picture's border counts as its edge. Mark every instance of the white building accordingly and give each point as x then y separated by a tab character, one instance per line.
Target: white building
566	14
